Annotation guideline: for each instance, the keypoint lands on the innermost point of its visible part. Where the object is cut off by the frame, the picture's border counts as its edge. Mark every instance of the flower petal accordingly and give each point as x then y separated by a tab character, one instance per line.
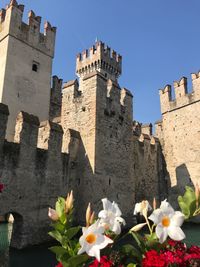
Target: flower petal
177	219
107	205
137	208
104	242
94	251
176	233
115	209
166	207
103	214
116	228
156	216
161	233
81	250
121	220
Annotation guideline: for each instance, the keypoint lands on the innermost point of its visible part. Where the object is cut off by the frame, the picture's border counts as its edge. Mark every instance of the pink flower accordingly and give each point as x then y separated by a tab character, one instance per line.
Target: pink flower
153	259
1	187
104	262
59	265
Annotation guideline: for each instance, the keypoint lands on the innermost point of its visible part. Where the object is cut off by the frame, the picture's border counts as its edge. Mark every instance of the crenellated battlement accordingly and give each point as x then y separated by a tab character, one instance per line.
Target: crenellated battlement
34	172
182	97
115	102
99	58
32	134
11	24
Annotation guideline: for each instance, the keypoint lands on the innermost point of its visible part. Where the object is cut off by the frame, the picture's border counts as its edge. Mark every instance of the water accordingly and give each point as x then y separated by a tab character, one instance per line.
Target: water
40	256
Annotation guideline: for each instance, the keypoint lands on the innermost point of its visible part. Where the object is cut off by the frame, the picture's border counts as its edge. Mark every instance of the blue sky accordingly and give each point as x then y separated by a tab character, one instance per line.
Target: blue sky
159	41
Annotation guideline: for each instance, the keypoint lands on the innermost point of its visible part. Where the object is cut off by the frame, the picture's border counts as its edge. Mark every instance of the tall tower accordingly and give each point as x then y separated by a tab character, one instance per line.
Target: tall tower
25	63
101	112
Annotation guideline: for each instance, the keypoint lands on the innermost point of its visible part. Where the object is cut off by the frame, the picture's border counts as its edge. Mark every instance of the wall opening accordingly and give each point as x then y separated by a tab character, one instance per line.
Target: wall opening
35	66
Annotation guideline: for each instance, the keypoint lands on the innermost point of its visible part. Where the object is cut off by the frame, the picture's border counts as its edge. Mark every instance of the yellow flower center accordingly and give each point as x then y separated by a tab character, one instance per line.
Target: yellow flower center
91	238
165	221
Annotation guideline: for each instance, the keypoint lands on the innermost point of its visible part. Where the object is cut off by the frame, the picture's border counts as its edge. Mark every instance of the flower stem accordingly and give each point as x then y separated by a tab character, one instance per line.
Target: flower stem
148	224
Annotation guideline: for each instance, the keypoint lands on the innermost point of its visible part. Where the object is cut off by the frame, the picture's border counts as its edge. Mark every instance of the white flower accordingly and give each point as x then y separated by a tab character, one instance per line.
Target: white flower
168	222
53	214
93	240
137	227
140	207
110	216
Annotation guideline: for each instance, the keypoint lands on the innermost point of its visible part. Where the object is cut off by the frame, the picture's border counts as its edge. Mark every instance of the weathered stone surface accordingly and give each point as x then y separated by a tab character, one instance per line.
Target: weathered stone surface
26	57
33	178
179	133
107	159
86	141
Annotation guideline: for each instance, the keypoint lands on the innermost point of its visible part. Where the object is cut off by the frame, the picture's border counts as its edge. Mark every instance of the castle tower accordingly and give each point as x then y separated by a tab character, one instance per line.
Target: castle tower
101	112
25	63
179	133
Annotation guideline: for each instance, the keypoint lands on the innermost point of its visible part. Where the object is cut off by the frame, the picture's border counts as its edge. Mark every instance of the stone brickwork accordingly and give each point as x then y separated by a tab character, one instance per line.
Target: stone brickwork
84	139
34	172
149	168
55	99
26	57
179	133
108	156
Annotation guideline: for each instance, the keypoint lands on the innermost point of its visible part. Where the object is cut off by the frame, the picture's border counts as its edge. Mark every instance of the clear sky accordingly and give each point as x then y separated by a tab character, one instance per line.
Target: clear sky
158	39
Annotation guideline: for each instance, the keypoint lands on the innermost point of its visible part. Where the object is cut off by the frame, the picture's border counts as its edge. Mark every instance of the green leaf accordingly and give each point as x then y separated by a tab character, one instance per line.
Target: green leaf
184	207
59	227
187	202
76	261
139	240
71	232
192	207
132	265
56	235
189	195
131	251
58	250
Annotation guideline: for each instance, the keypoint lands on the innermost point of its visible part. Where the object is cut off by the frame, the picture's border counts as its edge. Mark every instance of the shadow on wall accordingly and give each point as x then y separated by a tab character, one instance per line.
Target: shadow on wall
88	184
183	179
152	178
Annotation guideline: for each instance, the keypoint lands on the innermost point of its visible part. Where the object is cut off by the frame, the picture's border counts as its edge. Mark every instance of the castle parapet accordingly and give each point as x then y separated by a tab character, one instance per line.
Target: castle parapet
146	129
165	98
159	129
182	97
72	88
50	137
100	58
26	130
12	24
136	128
196	83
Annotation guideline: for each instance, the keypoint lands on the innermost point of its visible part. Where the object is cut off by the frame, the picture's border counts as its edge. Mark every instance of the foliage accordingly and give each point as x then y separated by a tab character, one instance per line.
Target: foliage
190	202
160	247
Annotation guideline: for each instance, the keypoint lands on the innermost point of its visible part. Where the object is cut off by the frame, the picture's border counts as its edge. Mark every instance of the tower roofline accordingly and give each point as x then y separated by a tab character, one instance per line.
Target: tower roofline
99	57
11	23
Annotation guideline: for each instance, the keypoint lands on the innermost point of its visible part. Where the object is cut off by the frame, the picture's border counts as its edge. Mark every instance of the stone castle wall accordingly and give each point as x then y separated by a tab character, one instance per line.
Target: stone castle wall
34	173
179	133
108	156
89	144
26	57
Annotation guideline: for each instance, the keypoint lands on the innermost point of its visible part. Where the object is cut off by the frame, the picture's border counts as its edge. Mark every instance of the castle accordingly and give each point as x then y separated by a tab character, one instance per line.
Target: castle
80	135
